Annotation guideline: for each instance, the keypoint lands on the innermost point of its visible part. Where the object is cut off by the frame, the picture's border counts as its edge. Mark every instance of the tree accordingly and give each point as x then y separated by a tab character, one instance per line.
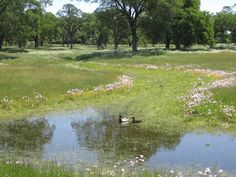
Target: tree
70	18
115	22
34	21
4	4
157	21
17	19
88	27
132	9
191	25
225	25
48	29
10	14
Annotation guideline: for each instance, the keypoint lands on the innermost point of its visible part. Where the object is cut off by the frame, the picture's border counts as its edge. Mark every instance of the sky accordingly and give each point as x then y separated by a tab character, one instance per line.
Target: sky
208	5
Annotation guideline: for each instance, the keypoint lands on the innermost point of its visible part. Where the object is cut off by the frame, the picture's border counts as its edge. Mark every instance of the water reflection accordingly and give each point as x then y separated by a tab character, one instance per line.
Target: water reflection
91	137
117	141
25	136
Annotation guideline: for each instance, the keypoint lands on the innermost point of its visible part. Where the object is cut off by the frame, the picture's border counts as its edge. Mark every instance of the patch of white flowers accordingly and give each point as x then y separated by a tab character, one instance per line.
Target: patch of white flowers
75	92
6	102
38	96
227	110
123	81
208	173
203	96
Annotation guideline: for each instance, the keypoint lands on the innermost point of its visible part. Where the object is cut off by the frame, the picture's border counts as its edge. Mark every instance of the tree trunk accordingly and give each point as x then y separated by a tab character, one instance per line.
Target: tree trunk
36	42
134	37
168	40
177	44
130	43
19	44
1	43
71	43
42	42
116	39
153	44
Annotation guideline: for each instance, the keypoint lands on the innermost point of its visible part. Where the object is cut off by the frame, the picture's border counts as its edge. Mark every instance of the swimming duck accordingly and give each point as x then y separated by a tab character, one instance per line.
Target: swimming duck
136	121
123	120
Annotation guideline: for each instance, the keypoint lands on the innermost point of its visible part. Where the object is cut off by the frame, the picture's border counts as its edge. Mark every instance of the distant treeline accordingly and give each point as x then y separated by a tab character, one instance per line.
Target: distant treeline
132	22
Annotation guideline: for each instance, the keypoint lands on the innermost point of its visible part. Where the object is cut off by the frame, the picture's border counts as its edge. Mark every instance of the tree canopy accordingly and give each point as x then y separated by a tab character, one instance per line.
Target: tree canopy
133	22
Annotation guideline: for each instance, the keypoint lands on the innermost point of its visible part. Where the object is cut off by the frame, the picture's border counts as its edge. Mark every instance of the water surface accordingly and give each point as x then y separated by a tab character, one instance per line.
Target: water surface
90	137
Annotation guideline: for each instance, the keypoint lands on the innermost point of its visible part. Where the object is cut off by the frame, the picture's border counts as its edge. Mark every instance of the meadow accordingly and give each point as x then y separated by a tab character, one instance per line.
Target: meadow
171	92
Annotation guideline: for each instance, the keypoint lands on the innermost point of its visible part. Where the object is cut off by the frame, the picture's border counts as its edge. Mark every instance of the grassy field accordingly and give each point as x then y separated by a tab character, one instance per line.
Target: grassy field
26	76
37	81
13	170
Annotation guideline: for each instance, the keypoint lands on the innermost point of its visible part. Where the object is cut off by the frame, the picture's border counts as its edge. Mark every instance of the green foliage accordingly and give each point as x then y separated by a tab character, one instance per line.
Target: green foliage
178	22
195	4
225	25
192	26
116	22
70	21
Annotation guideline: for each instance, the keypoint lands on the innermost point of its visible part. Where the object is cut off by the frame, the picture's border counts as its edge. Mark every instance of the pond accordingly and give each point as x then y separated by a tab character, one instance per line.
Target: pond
89	137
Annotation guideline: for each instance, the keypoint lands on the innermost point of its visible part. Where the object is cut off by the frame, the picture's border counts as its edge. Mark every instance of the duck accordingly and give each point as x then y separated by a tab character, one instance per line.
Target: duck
123	120
135	121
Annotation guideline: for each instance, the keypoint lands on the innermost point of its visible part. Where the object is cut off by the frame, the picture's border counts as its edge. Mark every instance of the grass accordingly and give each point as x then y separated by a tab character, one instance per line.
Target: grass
52	72
216	60
46	73
52	170
9	170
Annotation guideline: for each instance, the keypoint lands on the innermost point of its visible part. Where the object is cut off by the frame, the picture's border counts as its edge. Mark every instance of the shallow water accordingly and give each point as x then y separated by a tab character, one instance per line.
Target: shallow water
90	137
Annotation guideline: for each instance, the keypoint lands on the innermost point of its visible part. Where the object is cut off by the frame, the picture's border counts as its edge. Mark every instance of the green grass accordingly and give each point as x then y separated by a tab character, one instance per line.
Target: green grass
153	98
7	170
53	71
19	170
45	72
215	60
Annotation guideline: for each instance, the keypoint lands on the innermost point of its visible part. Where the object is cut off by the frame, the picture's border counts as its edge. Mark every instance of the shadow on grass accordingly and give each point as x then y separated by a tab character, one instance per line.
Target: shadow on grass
120	54
13	50
69	58
6	57
50	49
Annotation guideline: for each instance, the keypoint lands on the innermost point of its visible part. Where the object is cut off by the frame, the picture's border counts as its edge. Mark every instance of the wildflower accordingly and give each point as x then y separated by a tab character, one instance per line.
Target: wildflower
19	162
6	102
141	160
112	173
207	171
220	171
227	110
172	172
38	96
74	92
